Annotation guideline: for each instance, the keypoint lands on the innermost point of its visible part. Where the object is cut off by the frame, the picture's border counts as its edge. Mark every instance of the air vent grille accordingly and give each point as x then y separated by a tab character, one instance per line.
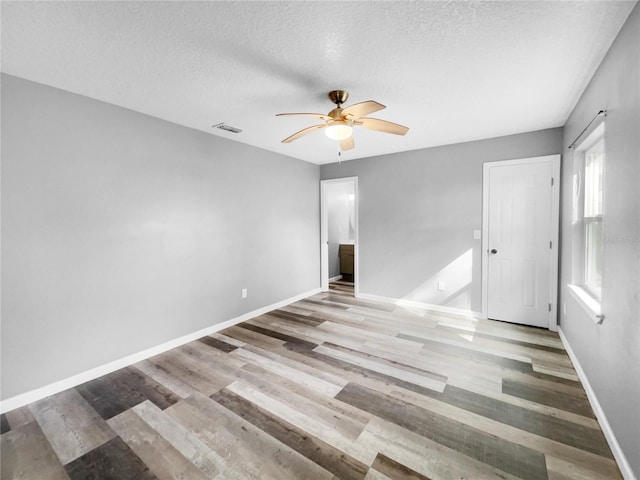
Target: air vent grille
227	128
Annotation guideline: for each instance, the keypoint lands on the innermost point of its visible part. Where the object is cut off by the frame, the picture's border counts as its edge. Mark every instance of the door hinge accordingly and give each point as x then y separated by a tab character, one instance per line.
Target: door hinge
549	307
552	181
551	244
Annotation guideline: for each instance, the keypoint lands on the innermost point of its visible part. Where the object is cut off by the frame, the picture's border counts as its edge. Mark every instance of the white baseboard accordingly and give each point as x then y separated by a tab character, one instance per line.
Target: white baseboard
424	306
75	380
618	454
337	277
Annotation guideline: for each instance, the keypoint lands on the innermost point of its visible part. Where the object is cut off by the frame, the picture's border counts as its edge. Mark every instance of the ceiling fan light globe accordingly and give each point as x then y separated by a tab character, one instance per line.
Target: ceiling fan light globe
339	131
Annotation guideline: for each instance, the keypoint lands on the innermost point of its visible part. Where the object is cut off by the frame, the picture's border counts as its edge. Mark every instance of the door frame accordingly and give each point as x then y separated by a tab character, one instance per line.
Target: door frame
555	223
324	233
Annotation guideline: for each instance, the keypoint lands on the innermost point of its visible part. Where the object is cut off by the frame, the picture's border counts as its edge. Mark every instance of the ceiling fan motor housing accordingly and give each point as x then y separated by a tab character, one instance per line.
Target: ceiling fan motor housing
338	97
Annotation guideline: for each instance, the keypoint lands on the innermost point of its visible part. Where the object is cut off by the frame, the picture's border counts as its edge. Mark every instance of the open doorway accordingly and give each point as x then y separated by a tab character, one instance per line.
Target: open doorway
339	234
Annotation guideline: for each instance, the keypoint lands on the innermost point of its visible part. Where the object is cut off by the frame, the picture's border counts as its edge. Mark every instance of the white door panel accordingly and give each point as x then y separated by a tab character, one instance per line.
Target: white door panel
519	235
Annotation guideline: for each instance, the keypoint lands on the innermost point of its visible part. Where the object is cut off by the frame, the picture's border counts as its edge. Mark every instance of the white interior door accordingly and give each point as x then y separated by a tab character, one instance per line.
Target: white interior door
520	240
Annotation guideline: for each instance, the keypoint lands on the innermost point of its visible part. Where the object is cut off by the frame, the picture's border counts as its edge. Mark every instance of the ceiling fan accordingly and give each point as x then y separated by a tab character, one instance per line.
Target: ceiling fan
339	122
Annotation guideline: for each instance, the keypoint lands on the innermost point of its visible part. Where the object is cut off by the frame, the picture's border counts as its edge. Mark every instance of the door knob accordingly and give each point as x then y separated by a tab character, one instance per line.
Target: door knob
493	251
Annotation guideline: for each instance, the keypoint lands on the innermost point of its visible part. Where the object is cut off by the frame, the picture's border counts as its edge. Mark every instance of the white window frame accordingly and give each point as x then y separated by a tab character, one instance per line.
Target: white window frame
588	296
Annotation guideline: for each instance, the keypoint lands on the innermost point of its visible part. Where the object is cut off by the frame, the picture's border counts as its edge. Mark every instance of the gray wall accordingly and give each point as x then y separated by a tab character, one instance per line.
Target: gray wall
417	212
121	231
609	353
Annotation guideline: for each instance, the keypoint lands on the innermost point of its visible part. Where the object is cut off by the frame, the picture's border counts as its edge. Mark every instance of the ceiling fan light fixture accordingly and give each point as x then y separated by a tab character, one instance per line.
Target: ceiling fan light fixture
339	130
339	122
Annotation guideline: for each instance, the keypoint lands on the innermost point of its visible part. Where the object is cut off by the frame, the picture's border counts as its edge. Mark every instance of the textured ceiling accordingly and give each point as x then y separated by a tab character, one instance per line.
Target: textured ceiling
451	71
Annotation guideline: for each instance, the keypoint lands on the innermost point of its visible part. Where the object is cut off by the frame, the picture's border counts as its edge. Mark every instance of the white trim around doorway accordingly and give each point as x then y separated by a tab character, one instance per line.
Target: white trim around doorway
324	228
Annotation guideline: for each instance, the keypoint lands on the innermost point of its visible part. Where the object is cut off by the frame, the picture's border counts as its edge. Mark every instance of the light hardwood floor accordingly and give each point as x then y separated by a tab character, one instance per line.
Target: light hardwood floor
329	387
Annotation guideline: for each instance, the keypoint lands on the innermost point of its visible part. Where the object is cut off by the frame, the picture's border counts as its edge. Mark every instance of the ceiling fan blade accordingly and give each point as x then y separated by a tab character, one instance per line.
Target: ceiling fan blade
347	143
382	126
361	109
303	132
314	115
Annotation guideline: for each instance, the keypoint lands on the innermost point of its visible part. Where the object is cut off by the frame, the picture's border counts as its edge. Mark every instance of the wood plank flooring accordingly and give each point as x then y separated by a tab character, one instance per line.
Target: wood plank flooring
331	387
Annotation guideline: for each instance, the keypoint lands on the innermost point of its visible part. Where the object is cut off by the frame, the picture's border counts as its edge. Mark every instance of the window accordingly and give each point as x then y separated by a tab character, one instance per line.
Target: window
588	240
592	220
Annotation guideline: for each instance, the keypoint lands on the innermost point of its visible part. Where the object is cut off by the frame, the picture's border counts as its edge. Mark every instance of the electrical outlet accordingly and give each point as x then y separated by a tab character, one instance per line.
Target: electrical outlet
441	286
477	235
244	293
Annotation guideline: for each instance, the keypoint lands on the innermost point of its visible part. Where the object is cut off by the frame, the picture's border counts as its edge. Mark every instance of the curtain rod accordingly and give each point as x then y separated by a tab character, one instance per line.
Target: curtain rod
601	112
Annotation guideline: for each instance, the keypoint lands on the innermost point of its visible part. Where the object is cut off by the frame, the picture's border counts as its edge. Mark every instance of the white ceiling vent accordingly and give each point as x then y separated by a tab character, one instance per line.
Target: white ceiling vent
228	128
